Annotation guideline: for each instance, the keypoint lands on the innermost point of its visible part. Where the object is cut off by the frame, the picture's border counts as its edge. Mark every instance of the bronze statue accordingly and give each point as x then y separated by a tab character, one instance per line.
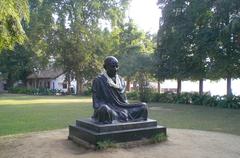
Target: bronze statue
109	99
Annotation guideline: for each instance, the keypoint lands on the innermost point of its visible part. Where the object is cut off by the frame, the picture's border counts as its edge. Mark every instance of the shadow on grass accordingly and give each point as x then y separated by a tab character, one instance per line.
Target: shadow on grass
10	96
45	102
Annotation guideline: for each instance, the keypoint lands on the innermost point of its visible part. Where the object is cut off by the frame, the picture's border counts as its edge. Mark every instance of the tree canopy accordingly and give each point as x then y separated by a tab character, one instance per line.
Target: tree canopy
78	40
12	14
198	40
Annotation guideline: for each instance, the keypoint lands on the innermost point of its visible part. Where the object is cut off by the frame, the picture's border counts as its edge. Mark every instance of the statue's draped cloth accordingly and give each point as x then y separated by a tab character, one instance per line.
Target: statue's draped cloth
110	103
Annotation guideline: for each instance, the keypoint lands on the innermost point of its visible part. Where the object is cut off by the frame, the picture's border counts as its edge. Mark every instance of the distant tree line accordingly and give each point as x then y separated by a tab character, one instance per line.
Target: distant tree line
198	40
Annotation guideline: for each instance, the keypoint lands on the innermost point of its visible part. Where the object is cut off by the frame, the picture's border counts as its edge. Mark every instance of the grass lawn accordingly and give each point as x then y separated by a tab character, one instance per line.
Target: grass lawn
197	117
22	113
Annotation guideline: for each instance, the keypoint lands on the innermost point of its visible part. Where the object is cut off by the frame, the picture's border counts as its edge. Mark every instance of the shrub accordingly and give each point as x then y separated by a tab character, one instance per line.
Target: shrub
205	99
146	95
156	97
158	138
187	98
197	99
184	98
103	145
88	91
19	90
167	97
229	102
35	91
210	100
134	95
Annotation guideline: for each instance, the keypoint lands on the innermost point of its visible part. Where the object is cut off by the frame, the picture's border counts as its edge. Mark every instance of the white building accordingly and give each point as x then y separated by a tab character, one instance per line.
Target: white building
54	78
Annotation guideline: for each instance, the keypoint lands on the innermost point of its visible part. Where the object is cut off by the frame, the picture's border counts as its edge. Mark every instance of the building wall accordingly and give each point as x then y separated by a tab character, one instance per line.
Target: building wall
38	83
58	83
74	86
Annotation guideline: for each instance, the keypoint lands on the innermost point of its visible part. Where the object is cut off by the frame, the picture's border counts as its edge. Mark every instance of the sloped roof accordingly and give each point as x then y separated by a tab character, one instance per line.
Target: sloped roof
50	73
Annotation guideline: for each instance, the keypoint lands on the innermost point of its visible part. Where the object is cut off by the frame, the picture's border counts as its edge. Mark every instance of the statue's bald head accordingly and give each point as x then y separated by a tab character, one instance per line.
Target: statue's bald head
111	65
110	60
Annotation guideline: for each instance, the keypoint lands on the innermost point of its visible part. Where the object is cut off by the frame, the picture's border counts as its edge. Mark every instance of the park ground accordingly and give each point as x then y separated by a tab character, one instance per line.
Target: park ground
181	143
37	125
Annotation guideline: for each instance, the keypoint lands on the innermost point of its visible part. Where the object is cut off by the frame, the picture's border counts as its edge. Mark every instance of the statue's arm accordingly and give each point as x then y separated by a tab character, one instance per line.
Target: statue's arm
95	94
123	90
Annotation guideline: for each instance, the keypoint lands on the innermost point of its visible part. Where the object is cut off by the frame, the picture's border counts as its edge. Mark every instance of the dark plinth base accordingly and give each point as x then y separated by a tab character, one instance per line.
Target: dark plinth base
88	132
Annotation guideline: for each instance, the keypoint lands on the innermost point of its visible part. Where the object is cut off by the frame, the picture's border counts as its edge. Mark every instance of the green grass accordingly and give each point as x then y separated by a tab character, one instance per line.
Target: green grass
197	117
23	113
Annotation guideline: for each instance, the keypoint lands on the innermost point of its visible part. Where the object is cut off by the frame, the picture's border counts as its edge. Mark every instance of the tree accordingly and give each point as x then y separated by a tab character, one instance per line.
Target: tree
12	14
206	37
226	23
171	53
201	41
132	45
127	49
16	64
76	39
143	71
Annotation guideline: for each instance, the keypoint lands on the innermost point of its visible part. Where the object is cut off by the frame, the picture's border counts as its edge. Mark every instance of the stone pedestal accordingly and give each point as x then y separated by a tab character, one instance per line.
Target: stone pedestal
89	133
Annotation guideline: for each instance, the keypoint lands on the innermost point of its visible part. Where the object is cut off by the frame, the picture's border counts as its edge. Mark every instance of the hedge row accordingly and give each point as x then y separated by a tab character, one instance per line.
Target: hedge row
149	96
187	98
34	91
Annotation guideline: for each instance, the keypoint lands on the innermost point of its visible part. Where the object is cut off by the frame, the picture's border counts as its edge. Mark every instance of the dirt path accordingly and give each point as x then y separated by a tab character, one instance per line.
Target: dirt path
180	144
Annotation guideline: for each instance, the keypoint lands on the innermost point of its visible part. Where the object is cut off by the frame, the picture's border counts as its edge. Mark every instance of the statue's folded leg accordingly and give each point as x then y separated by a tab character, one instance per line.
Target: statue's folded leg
104	114
139	113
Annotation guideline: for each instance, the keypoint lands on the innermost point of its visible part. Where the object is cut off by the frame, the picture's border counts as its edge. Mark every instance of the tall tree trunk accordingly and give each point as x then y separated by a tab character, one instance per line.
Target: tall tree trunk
9	81
229	89
135	86
68	84
128	84
179	86
201	87
141	83
159	87
79	86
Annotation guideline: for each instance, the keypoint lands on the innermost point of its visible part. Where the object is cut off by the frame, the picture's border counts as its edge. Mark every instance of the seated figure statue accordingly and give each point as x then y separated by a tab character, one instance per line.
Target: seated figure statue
109	99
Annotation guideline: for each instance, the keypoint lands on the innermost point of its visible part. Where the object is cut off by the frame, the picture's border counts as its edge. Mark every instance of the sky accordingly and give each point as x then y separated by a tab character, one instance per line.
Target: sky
146	14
